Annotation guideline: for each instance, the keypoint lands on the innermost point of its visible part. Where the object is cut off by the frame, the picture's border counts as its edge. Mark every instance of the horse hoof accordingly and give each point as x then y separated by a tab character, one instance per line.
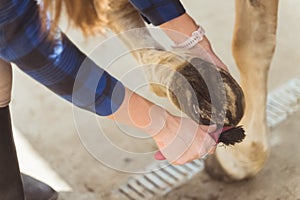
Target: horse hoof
214	169
208	95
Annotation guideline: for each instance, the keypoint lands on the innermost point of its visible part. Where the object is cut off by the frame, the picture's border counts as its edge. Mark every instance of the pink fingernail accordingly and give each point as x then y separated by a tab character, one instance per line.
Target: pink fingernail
159	156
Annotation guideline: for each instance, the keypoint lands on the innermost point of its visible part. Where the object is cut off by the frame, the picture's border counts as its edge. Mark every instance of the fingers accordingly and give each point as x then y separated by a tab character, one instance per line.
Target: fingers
206	52
178	152
219	63
213	150
159	156
208	129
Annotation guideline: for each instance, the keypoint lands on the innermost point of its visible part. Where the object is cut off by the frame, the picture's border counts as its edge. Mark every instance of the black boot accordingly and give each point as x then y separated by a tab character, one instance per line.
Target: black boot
11	184
37	190
11	187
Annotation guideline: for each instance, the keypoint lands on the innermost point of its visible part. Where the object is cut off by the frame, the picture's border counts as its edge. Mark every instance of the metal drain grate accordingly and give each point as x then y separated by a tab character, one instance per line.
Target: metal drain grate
281	103
158	182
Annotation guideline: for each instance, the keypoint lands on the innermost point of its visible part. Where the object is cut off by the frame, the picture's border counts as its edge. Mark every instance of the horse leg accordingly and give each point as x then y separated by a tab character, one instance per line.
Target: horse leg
172	75
253	48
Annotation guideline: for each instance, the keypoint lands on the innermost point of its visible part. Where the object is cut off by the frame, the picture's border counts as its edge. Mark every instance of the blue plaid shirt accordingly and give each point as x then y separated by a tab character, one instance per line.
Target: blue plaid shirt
158	11
53	60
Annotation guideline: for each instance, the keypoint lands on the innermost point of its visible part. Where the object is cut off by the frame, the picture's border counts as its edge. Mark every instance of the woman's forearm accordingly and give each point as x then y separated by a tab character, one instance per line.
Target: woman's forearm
139	112
178	29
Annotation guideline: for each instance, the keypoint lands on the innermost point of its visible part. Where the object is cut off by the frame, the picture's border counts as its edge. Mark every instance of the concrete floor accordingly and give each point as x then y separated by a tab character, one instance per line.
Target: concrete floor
49	131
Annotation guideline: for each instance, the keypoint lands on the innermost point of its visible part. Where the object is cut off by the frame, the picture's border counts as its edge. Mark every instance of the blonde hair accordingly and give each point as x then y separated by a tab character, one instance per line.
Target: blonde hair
81	13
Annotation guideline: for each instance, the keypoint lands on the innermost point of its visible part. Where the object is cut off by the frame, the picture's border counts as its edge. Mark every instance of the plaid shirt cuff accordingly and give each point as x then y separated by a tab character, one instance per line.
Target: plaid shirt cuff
158	12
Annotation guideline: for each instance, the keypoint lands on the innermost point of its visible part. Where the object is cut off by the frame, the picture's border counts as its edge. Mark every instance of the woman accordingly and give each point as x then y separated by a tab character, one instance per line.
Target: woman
29	40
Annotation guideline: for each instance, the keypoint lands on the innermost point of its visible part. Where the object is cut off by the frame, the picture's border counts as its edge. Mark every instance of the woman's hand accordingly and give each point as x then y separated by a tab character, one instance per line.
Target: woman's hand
181	28
181	140
204	50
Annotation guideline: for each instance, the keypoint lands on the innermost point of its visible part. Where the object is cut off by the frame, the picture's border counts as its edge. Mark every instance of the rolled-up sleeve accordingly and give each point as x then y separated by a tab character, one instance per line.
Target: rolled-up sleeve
48	56
158	12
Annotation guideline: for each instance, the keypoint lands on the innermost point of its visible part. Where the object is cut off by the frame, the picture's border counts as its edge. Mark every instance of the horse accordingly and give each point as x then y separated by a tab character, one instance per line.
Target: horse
253	46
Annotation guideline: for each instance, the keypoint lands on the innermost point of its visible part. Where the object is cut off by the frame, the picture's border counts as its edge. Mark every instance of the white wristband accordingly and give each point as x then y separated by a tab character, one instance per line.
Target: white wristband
192	41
